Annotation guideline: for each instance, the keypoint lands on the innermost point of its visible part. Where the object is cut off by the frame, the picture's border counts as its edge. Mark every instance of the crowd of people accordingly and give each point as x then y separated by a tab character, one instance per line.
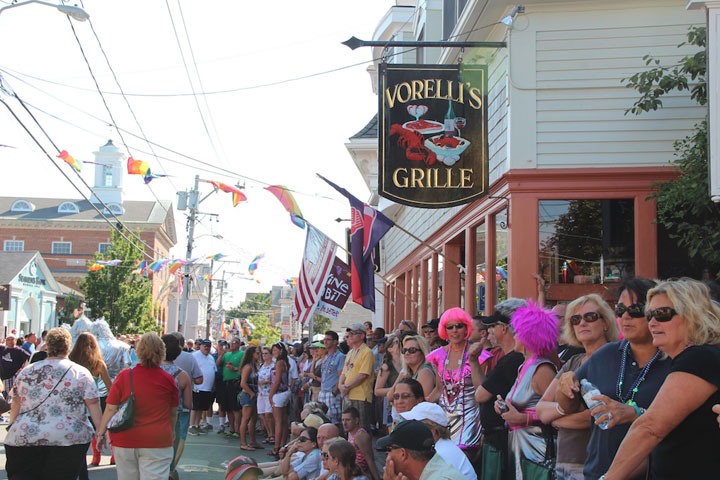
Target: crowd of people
604	387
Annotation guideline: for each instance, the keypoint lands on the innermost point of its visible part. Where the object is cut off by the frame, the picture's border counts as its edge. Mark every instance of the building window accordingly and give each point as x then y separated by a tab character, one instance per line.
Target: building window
104	247
501	255
452	10
62	248
22	206
586	241
107	176
68	207
480	265
113	208
14	245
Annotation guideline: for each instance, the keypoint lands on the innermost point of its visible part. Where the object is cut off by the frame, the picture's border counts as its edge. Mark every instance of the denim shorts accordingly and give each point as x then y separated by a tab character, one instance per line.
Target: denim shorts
245	401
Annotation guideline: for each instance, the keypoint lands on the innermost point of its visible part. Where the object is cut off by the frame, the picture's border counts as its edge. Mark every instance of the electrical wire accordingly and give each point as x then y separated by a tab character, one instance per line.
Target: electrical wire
187	72
114	227
107	108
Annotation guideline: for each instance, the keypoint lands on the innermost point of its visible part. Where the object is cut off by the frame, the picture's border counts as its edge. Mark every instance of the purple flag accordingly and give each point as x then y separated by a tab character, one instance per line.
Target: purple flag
367	228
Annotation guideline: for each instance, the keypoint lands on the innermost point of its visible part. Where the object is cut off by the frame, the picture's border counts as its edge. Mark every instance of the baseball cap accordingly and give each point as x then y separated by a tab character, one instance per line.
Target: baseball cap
255	342
313	420
496	317
410	434
239	466
222	342
206	343
434	323
317	345
357	327
427	411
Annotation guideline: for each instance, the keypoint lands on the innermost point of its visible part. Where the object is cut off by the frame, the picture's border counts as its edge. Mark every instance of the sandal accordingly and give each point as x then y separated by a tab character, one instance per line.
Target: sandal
245	447
274	453
257	446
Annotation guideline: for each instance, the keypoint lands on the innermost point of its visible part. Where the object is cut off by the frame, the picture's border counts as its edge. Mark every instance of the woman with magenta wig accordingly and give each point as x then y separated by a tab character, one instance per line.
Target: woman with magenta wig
536	334
458	375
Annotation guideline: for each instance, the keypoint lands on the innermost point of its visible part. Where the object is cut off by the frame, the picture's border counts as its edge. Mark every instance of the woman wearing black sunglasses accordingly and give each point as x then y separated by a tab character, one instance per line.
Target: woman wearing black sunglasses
679	427
589	323
628	373
309	465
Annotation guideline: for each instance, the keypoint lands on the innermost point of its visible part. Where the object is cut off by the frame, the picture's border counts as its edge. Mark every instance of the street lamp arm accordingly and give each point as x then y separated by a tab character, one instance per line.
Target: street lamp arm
77	13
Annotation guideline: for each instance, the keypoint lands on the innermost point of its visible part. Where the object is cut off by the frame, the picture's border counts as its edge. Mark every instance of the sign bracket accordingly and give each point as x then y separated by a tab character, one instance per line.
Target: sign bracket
353	43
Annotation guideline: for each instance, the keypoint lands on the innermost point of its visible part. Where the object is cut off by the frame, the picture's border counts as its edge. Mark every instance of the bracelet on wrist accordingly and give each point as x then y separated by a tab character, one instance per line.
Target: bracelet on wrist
560	410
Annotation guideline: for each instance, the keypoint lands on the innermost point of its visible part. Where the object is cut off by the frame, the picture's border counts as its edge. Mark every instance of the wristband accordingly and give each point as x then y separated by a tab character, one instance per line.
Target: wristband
638	410
560	410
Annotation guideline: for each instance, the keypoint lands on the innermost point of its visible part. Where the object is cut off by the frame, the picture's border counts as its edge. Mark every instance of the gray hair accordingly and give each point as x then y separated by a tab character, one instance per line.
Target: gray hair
508	307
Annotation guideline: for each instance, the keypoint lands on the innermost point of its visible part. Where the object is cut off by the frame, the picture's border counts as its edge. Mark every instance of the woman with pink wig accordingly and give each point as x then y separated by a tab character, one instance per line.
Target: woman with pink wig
536	335
458	375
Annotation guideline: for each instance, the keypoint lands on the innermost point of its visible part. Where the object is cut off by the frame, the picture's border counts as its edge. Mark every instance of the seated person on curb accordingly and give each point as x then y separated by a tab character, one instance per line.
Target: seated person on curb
362	441
433	415
411	455
306	467
271	468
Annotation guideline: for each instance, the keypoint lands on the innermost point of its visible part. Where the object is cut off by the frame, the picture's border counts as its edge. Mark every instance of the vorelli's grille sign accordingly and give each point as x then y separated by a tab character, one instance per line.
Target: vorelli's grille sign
433	134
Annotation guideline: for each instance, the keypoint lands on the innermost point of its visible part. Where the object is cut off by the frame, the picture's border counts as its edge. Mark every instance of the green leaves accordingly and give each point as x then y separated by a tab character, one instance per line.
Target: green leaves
123	298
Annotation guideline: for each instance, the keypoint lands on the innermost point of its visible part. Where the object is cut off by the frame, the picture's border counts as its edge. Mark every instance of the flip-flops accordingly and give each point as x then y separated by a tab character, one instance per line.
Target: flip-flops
245	447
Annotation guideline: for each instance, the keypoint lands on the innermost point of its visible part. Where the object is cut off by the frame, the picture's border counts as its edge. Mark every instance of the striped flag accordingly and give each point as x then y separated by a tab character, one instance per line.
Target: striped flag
314	271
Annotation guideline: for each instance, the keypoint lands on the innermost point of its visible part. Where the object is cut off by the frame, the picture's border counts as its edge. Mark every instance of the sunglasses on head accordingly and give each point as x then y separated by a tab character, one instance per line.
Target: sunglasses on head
589	317
411	350
661	314
404	396
636	310
457	326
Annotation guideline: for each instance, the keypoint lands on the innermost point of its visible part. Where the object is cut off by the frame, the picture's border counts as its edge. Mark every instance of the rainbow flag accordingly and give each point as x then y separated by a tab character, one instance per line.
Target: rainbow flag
109	263
137	167
288	201
215	257
254	264
291	282
237	197
140	268
70	160
95	267
149	177
175	265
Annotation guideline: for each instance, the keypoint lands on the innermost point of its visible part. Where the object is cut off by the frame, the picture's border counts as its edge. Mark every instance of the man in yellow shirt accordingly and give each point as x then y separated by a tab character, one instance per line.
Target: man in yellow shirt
357	377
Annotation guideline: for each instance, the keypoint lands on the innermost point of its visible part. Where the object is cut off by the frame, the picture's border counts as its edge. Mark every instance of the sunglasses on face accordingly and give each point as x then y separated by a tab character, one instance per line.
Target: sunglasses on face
324	455
404	396
429	330
589	317
636	310
661	314
457	326
411	350
302	439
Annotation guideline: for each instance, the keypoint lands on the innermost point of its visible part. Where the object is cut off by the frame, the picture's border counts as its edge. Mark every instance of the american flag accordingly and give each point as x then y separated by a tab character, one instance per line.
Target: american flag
314	271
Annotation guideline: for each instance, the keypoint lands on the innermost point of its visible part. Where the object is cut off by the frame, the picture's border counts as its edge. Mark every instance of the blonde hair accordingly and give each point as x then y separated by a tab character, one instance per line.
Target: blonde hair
422	343
58	342
691	299
150	350
605	312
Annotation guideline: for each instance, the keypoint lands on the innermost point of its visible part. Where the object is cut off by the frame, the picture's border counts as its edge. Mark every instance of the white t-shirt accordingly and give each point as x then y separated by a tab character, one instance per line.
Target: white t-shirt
451	453
293	371
207	367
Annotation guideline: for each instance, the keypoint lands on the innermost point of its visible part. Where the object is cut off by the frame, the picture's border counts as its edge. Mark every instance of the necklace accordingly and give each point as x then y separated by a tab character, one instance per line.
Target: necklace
453	387
629	398
330	360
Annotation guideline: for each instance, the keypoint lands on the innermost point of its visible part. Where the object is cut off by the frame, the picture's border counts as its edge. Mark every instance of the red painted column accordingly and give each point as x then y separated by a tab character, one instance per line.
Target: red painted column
409	285
434	287
646	247
451	277
490	283
470	243
523	247
400	299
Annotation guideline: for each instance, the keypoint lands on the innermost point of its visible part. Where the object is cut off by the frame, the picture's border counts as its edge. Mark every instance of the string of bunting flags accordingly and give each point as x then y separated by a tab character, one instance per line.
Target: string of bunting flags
324	282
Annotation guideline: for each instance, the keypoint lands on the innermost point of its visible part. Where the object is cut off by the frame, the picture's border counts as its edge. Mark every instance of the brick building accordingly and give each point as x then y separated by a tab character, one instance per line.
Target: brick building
68	232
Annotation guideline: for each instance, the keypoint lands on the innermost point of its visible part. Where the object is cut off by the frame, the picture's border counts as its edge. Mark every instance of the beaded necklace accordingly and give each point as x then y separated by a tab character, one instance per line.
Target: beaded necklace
629	398
330	361
453	388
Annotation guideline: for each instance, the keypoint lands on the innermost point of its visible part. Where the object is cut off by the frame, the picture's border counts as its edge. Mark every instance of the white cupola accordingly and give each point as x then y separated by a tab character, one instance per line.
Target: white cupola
109	175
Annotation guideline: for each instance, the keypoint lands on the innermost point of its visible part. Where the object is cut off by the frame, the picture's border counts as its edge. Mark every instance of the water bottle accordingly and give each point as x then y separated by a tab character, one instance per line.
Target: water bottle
588	390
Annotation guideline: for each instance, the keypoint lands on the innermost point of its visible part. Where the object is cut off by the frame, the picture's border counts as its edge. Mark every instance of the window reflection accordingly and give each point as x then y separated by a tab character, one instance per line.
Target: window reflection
586	241
480	267
501	254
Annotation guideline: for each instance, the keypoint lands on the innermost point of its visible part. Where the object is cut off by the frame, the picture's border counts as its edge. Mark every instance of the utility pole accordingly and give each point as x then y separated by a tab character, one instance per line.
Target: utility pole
192	205
209	307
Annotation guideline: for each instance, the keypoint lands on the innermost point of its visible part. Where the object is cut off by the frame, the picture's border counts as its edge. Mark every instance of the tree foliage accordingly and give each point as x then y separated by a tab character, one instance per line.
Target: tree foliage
122	297
684	207
65	314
